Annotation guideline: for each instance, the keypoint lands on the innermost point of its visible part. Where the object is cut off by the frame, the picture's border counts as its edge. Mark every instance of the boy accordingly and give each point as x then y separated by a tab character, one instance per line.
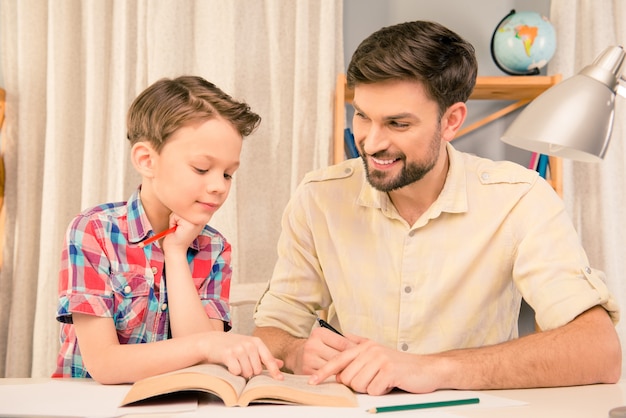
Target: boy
128	310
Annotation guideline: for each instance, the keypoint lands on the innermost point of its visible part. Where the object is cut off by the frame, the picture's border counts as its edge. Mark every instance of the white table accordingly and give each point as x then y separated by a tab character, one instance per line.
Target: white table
593	401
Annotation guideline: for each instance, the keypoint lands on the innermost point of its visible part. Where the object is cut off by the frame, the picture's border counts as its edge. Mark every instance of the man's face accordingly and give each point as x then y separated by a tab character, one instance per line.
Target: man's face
397	129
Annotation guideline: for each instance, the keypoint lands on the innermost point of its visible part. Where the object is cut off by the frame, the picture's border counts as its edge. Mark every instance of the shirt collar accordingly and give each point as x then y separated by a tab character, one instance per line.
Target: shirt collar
138	224
453	196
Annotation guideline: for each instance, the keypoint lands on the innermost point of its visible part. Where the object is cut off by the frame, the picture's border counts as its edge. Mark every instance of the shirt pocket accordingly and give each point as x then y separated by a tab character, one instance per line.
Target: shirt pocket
132	298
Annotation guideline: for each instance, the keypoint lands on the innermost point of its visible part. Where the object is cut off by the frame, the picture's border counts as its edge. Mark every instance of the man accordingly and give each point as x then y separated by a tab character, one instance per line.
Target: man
422	254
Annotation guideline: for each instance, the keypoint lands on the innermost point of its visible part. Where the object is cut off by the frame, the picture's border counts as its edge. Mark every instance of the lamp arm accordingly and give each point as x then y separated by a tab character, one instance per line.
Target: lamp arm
607	67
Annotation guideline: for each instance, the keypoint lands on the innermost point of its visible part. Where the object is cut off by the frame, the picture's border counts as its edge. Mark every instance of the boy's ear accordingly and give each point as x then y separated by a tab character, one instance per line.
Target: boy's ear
142	156
452	120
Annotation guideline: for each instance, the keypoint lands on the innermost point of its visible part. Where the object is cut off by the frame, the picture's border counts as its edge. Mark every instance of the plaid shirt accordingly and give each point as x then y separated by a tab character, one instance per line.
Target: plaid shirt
105	273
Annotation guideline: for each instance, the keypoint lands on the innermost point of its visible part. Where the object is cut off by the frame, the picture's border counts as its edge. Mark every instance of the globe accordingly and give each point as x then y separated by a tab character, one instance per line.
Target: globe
523	43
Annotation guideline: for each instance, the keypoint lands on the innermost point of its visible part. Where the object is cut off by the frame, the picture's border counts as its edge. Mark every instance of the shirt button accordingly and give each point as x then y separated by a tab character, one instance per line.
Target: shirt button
407	289
404	347
588	270
484	176
164	306
154	270
127	289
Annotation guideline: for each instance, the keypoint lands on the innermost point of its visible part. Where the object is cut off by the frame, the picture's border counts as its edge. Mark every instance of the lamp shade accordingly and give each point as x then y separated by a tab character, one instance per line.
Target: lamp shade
574	118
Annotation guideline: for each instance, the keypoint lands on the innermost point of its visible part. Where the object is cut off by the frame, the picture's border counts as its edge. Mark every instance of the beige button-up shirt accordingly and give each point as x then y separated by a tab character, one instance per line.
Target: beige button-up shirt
454	279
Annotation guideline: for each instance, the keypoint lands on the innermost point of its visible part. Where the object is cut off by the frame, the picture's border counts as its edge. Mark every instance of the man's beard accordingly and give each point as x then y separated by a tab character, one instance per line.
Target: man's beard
410	173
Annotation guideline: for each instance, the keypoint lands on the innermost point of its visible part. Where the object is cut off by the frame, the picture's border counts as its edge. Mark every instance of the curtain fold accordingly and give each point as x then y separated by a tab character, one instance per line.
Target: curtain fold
71	70
594	193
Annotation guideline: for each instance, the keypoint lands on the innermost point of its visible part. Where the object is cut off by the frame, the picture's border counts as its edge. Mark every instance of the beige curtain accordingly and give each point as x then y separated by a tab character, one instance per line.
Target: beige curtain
71	69
595	194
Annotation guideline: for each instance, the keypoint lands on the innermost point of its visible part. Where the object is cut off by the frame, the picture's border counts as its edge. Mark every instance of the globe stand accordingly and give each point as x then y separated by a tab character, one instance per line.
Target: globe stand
534	71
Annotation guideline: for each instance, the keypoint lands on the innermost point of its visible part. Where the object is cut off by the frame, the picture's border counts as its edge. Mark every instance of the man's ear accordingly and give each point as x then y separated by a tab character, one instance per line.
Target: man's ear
143	156
452	120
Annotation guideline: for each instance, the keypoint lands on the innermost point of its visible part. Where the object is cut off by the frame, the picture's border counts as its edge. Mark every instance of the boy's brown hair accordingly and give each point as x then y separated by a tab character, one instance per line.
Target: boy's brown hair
170	104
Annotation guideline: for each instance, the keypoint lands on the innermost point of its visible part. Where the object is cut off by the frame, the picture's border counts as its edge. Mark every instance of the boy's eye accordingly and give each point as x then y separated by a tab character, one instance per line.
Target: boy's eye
200	170
228	176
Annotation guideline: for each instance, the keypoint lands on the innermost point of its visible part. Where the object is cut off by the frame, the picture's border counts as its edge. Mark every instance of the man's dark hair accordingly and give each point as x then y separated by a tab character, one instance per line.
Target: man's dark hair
421	51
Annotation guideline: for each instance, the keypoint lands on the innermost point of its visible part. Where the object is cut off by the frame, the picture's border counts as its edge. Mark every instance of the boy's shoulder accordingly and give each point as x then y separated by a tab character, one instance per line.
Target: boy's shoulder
103	208
111	213
109	210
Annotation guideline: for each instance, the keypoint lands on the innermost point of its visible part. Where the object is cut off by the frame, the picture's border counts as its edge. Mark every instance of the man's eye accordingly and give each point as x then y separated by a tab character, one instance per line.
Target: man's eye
397	124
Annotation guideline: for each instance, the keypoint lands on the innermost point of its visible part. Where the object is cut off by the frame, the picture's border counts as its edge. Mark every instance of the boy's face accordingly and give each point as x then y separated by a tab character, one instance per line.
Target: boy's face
193	172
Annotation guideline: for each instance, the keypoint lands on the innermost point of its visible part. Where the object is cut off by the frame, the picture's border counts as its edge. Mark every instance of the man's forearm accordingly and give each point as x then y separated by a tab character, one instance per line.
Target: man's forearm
585	351
283	346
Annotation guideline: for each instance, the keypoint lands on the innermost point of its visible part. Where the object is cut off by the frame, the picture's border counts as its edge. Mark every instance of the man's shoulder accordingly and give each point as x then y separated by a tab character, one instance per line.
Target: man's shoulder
344	170
490	172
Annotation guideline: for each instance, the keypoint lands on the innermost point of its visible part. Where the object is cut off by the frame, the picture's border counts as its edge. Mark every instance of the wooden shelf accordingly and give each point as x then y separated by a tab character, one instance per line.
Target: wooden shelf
520	89
492	88
512	87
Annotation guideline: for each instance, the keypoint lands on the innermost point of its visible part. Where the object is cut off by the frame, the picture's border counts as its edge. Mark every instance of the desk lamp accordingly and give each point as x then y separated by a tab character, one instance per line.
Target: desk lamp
574	118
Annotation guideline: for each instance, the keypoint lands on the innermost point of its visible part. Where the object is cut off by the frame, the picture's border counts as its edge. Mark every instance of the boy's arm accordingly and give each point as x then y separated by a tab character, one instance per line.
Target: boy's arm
187	314
110	362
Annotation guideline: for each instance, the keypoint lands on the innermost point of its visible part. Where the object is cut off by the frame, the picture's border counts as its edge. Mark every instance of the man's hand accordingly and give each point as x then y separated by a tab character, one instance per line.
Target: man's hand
583	351
321	346
368	367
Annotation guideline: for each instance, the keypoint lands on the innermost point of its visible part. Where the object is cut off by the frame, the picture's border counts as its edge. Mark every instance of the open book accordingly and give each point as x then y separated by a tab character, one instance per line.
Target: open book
237	391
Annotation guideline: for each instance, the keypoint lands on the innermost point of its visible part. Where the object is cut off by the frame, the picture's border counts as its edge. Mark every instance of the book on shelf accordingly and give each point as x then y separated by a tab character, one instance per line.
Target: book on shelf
534	159
542	165
349	145
238	391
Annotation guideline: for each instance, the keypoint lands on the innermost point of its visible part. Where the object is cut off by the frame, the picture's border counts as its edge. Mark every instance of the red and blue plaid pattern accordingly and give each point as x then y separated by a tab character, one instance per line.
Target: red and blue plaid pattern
105	273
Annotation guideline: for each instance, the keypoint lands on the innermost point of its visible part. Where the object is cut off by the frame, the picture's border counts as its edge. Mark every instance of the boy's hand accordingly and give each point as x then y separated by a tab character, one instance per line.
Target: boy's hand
243	355
184	235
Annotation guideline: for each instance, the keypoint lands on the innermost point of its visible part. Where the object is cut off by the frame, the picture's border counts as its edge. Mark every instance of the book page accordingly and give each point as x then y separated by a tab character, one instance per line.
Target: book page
295	389
212	378
237	382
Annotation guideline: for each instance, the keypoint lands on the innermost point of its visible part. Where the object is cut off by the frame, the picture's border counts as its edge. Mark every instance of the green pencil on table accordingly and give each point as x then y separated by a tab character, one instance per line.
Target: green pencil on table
424	405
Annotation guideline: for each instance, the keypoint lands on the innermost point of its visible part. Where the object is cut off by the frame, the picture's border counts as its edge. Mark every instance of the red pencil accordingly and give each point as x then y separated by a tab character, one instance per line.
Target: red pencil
157	236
